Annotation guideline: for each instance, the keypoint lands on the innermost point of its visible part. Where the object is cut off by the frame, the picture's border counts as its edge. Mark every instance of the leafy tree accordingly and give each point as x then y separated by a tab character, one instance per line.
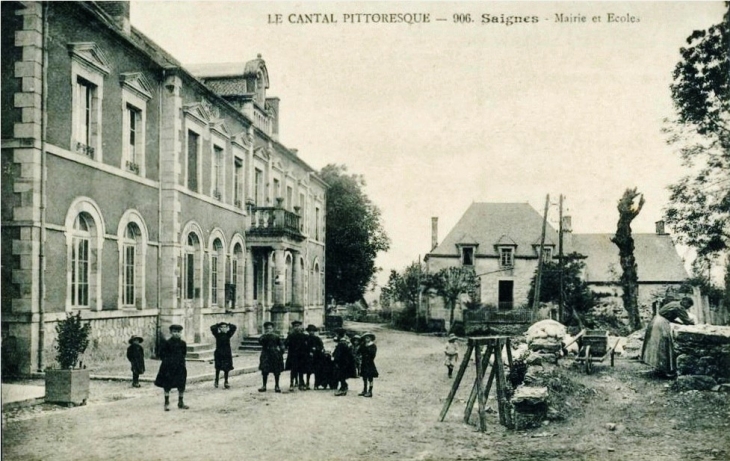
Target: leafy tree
577	296
628	209
452	282
699	207
405	288
354	235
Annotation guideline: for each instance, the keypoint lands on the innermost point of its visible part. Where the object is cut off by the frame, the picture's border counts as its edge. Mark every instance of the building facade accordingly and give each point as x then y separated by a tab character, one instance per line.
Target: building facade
141	194
501	241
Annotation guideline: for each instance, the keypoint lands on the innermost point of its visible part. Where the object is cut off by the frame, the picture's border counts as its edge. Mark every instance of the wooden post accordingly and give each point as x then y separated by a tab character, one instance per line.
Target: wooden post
479	387
457	381
474	389
504	417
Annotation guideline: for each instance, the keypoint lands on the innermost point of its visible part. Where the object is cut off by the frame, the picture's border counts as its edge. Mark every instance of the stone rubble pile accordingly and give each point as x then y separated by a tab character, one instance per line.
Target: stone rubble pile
544	340
530	406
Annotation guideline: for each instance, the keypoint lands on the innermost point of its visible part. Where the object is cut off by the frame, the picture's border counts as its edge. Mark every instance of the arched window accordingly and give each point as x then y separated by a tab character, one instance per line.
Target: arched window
190	268
237	277
217	257
130	260
80	267
317	291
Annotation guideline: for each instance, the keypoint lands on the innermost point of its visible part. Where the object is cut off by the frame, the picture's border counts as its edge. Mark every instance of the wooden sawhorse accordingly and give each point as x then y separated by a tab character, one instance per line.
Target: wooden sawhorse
493	347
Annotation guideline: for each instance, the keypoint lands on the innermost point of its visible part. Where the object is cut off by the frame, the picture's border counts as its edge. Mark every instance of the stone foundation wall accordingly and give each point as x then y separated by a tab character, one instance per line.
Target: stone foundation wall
703	350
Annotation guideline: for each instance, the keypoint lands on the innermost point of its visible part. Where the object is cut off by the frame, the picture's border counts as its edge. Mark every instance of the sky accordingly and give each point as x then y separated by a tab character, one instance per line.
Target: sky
441	114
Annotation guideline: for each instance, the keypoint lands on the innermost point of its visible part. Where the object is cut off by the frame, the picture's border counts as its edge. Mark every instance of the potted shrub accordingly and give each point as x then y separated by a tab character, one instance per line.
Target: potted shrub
69	384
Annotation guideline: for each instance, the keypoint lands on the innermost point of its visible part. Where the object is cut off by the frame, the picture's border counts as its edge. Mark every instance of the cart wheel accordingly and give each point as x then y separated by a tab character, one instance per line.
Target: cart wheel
589	363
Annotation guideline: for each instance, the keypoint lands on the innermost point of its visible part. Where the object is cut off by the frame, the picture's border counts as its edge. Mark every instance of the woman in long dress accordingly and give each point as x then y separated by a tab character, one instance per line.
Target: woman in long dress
658	348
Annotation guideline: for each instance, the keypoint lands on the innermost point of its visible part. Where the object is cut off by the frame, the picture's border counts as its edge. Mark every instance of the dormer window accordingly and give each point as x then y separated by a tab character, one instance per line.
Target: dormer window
467	256
547	254
506	257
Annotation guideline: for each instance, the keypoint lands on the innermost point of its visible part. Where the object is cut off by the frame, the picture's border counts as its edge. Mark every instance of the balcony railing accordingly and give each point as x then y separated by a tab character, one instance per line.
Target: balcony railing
274	220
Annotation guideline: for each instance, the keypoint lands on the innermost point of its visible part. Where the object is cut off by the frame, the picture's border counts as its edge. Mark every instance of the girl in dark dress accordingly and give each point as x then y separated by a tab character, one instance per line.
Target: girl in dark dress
135	355
223	332
271	359
173	372
368	371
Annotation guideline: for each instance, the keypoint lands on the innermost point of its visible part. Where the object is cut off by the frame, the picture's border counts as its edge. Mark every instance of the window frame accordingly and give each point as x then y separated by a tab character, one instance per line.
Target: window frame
471	249
503	251
95	236
88	64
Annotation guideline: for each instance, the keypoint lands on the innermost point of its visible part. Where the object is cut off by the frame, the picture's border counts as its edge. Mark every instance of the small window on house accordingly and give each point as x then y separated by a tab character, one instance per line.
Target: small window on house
467	256
506	257
547	254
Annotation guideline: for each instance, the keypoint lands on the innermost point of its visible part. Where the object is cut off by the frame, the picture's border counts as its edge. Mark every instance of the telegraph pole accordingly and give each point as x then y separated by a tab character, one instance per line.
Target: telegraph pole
560	260
536	301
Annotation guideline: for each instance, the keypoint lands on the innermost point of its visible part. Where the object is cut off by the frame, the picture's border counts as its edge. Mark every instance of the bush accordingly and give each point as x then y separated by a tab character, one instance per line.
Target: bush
73	338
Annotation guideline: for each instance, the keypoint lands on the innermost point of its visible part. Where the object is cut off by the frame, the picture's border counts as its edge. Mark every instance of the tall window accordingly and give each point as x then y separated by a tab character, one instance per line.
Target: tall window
277	188
289	198
217	172
129	265
506	257
258	184
547	254
193	146
237	182
215	284
84	116
133	138
80	263
189	271
316	223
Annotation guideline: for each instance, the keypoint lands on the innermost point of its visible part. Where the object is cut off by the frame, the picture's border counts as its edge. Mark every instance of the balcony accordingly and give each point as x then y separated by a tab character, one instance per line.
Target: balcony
275	222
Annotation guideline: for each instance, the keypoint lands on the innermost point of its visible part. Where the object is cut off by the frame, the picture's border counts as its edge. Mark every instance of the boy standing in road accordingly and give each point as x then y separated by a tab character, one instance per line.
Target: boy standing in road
271	359
173	372
344	362
223	332
135	355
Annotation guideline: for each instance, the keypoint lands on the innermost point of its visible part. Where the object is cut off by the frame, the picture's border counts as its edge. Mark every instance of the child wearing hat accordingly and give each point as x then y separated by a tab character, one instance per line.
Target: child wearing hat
271	359
223	332
315	348
356	341
297	355
368	351
173	373
344	362
452	354
135	355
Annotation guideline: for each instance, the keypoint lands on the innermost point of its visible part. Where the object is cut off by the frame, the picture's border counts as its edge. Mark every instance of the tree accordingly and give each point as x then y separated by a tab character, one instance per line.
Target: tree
406	288
628	209
451	282
354	235
699	204
577	296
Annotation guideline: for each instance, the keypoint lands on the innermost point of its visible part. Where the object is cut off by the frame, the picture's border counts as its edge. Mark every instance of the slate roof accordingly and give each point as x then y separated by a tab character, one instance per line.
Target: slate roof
231	86
656	257
489	223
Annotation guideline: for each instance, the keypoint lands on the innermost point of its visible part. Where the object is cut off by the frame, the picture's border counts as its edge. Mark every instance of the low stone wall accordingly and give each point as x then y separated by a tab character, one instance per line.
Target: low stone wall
703	350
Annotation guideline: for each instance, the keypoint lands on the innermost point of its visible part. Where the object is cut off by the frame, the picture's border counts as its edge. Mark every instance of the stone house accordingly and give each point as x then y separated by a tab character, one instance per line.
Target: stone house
501	242
143	194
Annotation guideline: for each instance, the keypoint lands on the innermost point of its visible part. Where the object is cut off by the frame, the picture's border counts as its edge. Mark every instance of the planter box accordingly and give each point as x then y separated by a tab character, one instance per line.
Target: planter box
67	386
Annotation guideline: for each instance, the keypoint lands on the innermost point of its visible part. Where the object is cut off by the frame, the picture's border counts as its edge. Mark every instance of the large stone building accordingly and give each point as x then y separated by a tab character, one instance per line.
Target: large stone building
501	241
143	194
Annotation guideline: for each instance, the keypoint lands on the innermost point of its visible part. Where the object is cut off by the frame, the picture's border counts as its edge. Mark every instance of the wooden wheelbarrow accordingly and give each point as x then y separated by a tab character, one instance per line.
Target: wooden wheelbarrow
594	347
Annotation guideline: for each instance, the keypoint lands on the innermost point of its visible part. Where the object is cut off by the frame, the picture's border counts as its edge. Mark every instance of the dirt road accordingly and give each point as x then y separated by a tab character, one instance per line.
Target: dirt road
398	423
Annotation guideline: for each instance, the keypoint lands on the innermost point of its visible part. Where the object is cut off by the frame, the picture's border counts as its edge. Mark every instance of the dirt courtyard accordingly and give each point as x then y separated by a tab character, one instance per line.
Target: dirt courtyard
400	422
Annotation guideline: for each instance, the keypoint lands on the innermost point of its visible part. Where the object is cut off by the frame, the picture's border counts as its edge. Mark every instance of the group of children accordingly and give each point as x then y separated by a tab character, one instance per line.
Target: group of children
306	356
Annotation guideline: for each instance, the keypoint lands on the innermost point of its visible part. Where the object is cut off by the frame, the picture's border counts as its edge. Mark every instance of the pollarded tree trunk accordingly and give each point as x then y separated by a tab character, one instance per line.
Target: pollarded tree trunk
628	209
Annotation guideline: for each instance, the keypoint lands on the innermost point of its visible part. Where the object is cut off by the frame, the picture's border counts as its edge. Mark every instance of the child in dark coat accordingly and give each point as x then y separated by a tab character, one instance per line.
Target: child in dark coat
223	332
344	361
297	356
315	346
135	355
368	371
272	358
173	372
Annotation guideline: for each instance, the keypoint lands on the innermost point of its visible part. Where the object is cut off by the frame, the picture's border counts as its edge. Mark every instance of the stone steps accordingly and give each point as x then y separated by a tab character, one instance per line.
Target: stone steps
250	343
200	352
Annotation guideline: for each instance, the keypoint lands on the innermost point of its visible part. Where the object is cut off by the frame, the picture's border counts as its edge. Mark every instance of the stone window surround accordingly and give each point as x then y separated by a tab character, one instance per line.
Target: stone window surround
79	69
221	143
185	249
96	245
133	97
506	257
217	235
191	124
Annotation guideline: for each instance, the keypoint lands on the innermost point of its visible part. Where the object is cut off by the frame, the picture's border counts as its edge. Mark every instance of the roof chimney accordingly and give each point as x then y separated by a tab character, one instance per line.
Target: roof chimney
119	13
434	232
660	228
